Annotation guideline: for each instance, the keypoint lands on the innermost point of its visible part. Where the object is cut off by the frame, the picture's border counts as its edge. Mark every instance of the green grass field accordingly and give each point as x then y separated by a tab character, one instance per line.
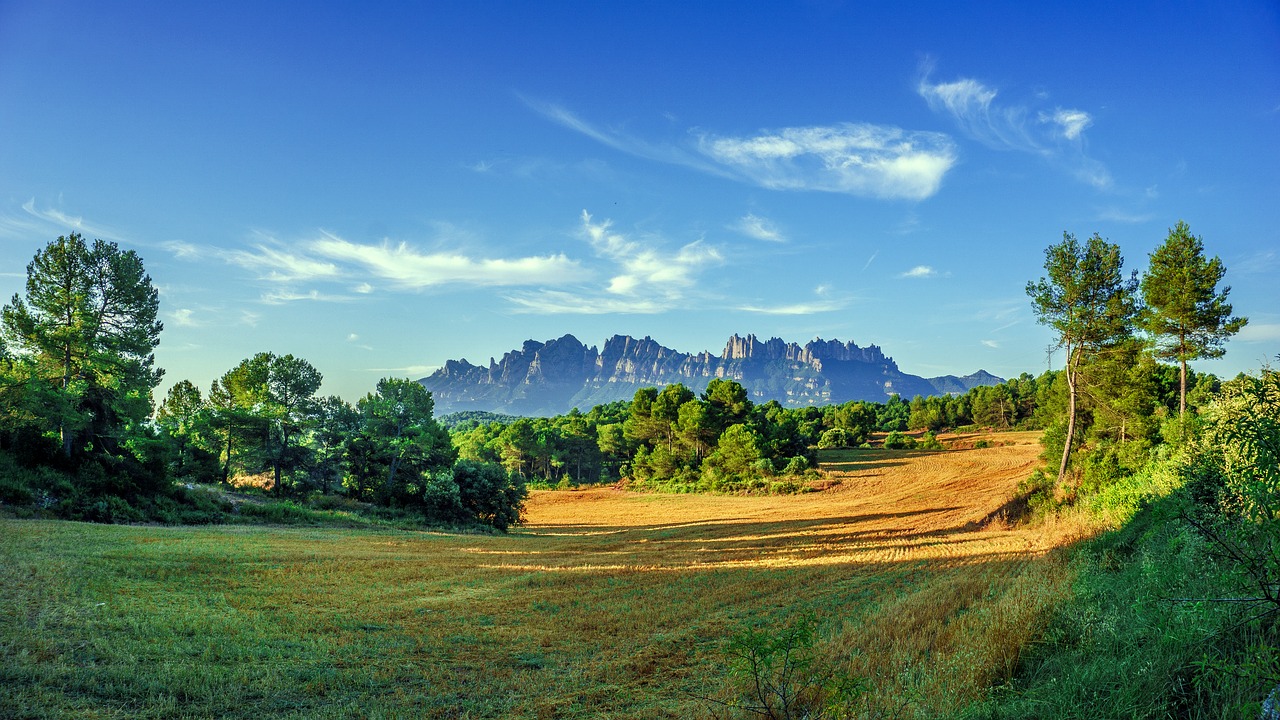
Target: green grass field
606	604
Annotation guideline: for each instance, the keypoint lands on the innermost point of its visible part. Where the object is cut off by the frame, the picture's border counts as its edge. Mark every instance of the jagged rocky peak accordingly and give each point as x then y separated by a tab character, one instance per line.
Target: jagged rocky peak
553	376
562	359
813	353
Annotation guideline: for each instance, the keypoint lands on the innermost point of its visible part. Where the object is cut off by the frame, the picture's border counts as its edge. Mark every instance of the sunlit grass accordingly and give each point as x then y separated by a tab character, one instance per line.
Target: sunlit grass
606	604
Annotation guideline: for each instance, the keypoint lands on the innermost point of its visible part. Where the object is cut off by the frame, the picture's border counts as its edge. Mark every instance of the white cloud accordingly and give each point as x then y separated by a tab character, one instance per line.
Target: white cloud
856	159
991	344
280	297
412	372
184	250
352	337
559	302
1072	122
760	228
1056	135
646	269
859	159
278	264
1260	332
184	317
647	278
48	223
801	308
407	267
919	271
970	103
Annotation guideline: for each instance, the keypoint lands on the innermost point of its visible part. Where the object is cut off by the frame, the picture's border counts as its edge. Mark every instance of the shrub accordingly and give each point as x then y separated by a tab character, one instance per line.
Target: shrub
929	441
796	465
779	674
897	441
834	438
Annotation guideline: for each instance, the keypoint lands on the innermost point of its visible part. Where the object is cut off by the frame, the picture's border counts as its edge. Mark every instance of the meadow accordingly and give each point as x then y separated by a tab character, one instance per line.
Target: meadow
603	604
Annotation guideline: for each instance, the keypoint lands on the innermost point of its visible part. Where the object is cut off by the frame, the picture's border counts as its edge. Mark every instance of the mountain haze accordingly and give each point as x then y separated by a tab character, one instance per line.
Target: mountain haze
553	377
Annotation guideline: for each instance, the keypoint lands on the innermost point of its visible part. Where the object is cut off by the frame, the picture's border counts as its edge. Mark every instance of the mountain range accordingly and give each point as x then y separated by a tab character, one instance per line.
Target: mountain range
553	377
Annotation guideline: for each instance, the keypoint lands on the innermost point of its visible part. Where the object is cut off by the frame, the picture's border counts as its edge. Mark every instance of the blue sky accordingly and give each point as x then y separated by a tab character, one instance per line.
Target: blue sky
379	187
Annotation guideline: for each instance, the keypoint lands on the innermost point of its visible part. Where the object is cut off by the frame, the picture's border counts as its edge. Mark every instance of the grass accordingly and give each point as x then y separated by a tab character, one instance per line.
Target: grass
605	604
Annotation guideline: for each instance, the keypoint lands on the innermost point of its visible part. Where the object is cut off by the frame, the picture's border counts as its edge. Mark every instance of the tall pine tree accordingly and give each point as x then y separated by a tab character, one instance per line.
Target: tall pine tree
1186	314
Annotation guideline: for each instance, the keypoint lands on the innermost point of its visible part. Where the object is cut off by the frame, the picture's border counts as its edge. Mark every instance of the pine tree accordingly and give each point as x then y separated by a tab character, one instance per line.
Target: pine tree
1186	314
1089	302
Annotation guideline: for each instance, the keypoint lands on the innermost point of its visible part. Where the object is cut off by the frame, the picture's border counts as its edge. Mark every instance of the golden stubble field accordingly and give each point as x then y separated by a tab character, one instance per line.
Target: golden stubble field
606	603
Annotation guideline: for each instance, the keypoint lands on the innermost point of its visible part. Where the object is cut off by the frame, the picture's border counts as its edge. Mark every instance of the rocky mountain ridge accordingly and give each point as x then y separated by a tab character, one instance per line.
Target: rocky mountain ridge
552	377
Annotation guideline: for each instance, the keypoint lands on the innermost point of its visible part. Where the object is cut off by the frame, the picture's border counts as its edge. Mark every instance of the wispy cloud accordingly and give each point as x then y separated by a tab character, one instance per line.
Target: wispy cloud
561	302
35	222
760	228
363	268
407	267
279	264
1056	135
800	308
647	270
870	260
1120	215
919	271
1070	122
646	277
621	141
861	159
1260	332
991	344
184	317
853	158
281	297
412	372
184	250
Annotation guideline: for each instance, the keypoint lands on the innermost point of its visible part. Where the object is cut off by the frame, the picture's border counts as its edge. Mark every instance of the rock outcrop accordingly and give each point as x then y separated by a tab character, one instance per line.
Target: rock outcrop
553	377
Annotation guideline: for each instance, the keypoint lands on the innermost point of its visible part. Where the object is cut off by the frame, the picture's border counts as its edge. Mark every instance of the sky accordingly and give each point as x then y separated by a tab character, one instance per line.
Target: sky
381	187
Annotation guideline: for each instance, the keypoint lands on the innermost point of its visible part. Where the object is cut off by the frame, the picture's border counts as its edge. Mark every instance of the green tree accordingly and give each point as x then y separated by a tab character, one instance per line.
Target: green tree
1090	304
178	417
290	405
336	421
88	323
489	494
1187	315
401	441
235	401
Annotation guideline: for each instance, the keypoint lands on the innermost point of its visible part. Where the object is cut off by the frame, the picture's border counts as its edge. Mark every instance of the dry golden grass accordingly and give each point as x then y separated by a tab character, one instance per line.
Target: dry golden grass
606	603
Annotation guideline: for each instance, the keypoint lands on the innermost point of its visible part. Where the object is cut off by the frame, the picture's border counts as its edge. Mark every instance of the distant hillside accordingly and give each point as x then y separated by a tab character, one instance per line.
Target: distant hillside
549	378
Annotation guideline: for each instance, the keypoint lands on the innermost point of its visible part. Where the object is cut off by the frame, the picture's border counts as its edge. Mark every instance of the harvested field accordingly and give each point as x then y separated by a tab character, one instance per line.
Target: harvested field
607	603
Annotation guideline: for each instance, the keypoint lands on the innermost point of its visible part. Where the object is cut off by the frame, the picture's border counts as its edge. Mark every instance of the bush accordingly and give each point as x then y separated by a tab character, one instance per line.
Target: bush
897	441
796	465
834	438
929	441
780	674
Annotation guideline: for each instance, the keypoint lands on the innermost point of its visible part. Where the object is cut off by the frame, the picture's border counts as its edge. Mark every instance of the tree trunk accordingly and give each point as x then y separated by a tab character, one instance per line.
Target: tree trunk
226	466
1182	397
63	432
1072	360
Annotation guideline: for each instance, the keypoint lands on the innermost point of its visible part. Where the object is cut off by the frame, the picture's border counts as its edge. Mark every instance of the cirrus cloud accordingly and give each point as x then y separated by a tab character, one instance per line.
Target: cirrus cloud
860	159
